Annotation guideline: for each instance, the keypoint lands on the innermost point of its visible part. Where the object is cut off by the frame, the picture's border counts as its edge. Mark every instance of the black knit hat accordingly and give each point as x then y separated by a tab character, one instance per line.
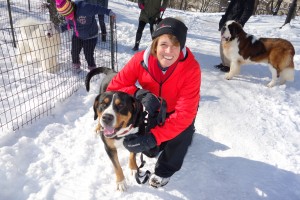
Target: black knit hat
172	26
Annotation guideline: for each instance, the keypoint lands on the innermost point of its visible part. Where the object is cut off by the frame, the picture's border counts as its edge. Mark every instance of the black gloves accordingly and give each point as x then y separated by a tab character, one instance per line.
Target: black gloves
153	106
139	143
149	100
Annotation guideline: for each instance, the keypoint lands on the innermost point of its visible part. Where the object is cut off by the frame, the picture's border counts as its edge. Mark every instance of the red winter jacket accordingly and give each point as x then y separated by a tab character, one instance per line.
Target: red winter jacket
181	90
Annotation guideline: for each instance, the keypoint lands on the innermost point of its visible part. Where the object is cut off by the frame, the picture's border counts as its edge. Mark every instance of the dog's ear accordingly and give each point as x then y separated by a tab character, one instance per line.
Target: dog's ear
96	103
235	29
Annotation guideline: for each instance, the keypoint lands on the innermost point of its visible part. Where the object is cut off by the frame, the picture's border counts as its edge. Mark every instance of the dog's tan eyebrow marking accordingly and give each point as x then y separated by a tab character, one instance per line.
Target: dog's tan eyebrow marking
117	101
106	100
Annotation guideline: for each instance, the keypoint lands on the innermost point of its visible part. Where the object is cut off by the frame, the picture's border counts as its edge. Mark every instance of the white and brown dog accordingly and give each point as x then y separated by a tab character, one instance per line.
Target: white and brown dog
241	48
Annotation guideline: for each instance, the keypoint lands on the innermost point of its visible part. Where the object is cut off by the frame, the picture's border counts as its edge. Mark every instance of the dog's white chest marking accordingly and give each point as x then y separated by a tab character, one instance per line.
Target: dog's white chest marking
231	49
109	110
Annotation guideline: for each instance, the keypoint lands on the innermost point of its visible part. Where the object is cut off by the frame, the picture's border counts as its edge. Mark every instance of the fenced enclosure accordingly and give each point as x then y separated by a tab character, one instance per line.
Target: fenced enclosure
33	80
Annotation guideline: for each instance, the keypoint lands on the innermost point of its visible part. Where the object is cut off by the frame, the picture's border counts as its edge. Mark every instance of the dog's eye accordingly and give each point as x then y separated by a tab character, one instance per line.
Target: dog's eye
120	106
102	106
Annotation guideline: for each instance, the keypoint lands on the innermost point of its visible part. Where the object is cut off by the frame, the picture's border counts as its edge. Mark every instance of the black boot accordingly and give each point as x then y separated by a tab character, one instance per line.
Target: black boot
136	47
222	67
137	41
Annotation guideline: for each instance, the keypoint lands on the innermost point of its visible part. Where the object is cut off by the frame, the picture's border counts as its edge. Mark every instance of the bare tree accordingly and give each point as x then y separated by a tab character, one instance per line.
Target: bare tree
291	12
223	5
54	16
276	8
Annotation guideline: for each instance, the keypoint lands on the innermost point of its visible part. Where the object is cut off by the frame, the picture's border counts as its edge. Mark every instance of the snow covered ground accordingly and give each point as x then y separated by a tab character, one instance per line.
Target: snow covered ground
246	146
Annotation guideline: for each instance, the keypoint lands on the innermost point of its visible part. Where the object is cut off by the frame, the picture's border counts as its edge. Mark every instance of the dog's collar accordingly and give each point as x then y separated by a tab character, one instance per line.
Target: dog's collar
125	131
130	130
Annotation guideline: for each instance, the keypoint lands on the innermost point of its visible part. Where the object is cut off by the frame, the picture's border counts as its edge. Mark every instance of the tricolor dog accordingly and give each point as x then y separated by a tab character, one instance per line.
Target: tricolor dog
241	48
118	114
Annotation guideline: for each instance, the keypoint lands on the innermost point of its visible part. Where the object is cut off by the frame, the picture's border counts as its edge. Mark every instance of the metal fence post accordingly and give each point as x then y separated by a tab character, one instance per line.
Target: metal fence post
112	46
29	5
11	23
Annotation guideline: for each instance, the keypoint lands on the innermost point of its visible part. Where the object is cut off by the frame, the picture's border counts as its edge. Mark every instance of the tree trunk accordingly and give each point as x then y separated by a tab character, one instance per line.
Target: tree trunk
291	12
255	6
223	5
181	4
276	8
54	16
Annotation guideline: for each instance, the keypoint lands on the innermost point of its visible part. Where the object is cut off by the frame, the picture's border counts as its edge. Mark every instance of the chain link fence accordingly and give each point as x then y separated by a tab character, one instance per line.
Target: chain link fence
30	84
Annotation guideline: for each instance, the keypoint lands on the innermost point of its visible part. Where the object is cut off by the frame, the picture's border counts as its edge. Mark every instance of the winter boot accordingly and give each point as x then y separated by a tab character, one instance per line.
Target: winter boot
76	68
137	41
222	67
157	181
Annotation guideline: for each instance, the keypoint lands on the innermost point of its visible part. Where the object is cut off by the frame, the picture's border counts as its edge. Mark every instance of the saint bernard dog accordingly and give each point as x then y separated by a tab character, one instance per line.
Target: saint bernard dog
241	48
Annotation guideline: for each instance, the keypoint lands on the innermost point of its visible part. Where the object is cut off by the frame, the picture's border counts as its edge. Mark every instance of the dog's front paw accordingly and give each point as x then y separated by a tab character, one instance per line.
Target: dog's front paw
122	186
271	84
228	76
97	130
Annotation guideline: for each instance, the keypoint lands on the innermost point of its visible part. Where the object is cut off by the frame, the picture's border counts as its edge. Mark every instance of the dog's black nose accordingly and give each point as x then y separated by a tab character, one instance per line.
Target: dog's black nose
107	118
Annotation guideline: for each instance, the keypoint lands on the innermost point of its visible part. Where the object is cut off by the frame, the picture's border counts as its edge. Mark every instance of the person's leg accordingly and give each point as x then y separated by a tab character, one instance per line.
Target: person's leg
139	34
75	51
88	49
102	27
224	66
171	158
174	151
225	61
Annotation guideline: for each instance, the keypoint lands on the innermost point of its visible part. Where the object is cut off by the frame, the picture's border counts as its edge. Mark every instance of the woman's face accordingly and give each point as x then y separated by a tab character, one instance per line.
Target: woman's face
167	53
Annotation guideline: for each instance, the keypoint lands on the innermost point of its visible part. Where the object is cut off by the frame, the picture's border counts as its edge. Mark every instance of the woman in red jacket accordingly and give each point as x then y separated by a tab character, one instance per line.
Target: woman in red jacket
169	70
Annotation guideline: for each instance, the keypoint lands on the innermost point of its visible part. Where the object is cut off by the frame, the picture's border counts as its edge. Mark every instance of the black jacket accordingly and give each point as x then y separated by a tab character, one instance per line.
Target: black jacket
239	11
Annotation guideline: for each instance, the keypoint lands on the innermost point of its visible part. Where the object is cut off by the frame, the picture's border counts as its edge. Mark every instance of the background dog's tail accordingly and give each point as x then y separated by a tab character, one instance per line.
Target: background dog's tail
94	72
287	74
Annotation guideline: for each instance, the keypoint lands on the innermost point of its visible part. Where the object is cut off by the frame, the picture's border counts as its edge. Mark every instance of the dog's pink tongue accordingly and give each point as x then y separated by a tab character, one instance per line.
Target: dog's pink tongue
108	130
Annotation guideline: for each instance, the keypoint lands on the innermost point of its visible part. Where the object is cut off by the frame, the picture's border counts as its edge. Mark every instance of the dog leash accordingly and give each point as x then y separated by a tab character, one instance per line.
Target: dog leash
138	174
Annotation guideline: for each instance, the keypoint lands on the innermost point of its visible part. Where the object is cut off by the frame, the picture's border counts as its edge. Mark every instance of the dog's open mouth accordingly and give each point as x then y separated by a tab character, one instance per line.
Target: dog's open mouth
109	131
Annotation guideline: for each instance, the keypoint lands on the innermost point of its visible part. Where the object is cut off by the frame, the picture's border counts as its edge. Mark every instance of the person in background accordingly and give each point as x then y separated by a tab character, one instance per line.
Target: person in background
150	11
103	3
169	70
80	16
239	11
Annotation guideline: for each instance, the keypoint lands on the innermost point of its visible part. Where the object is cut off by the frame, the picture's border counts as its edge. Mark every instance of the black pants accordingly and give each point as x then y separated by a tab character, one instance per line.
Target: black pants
102	24
88	46
173	153
141	27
